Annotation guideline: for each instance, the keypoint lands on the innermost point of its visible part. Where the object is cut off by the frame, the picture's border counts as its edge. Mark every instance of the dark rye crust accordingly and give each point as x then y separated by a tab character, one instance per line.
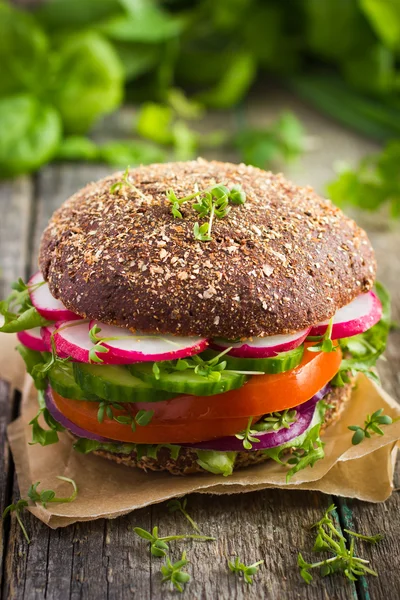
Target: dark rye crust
186	463
285	260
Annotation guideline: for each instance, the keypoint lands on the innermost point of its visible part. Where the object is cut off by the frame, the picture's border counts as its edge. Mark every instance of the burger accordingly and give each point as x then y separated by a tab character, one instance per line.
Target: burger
198	316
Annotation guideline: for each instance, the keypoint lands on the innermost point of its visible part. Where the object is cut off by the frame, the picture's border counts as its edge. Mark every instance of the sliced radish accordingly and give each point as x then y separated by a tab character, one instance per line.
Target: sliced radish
358	316
262	347
72	339
140	347
49	307
32	338
46	336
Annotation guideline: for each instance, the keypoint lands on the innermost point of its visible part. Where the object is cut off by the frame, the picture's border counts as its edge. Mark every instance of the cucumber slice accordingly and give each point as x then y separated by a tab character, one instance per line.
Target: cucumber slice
285	361
115	383
187	382
62	381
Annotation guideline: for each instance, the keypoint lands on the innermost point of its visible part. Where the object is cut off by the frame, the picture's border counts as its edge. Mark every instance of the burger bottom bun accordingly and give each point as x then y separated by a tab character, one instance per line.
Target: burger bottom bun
186	463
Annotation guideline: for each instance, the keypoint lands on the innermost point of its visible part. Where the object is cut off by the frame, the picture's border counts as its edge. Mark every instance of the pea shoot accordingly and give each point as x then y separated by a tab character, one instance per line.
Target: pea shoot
176	505
45	497
173	572
141	418
212	202
123	183
330	539
371	425
277	420
247	571
325	343
159	545
247	436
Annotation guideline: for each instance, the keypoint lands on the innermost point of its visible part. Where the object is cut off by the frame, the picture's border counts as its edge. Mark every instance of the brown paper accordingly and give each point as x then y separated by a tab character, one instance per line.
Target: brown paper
110	490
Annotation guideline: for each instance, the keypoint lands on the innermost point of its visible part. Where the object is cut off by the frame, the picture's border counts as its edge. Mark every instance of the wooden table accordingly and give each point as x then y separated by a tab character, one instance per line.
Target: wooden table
104	559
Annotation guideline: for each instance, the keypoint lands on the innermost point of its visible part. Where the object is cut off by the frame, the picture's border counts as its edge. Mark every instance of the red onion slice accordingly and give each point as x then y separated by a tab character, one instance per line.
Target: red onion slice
268	439
60	418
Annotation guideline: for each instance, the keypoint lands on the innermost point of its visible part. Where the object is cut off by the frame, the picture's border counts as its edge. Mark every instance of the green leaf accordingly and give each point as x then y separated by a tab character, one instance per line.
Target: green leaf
150	25
154	122
76	147
30	134
384	16
32	359
85	446
234	83
24	53
73	15
144	417
131	152
27	320
219	463
89	81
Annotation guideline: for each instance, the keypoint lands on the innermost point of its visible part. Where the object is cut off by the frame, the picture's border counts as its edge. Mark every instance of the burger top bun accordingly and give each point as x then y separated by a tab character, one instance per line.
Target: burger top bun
284	260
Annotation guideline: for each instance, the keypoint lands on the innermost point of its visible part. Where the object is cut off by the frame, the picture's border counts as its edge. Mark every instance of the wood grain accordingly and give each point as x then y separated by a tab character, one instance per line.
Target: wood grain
105	559
15	209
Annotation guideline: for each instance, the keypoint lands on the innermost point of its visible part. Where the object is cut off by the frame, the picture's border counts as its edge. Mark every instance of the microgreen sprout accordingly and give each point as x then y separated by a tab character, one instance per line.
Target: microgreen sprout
141	418
176	505
329	539
47	496
277	420
210	369
159	545
247	571
212	202
124	182
247	436
371	425
98	345
173	572
325	342
18	507
42	498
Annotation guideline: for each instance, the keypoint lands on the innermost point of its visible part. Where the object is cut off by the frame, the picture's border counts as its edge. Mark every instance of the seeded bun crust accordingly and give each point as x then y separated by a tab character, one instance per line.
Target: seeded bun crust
285	260
186	463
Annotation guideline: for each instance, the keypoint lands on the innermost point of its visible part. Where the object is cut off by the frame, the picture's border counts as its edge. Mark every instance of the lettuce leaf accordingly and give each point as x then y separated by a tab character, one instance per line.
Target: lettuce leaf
219	463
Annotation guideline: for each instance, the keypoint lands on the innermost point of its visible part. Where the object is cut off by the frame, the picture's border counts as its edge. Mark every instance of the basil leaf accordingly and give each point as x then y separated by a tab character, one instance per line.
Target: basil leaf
30	134
89	81
24	52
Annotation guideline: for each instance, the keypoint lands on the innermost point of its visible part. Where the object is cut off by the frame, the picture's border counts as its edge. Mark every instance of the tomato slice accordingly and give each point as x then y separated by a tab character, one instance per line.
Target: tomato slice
260	395
84	414
187	419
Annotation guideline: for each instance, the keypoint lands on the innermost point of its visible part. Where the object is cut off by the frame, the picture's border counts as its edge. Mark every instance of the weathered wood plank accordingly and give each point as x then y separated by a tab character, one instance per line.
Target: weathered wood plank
15	211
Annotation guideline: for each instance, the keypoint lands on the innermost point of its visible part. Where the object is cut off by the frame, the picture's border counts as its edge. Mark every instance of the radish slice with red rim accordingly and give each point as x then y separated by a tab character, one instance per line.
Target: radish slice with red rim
49	307
354	318
140	347
262	347
47	332
72	339
32	339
